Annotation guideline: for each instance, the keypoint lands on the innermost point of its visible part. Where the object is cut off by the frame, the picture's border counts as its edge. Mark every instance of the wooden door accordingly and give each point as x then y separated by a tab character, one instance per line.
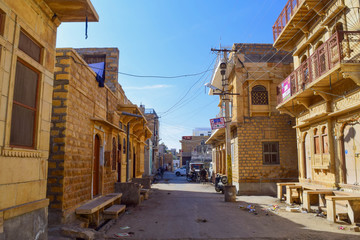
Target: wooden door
96	166
119	161
307	156
352	153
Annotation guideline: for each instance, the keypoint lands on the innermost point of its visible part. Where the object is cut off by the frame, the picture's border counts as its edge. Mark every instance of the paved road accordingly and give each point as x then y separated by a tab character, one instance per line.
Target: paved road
181	210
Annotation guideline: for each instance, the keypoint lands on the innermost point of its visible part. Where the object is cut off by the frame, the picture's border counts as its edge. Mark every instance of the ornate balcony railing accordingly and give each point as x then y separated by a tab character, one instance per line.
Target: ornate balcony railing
342	47
285	17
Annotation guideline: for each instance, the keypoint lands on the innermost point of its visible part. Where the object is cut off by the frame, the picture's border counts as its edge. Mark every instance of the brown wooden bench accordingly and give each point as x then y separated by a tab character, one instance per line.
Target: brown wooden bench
93	209
353	206
322	194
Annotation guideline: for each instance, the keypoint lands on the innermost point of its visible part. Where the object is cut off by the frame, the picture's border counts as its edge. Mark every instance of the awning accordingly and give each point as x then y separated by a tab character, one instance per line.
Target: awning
216	137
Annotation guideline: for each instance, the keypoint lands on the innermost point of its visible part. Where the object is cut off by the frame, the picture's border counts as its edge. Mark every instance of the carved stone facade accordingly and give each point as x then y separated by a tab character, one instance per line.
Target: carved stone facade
328	124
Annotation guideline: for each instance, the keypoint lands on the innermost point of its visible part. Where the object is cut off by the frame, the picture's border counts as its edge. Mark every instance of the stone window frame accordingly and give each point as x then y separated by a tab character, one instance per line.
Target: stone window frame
259	95
36	65
271	153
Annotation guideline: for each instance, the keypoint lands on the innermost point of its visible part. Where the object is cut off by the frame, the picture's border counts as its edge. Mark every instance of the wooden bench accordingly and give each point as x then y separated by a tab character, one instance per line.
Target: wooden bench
280	187
353	206
145	193
93	209
322	194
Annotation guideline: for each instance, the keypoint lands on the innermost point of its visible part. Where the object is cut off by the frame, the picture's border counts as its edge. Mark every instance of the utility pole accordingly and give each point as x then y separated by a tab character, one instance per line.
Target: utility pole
229	190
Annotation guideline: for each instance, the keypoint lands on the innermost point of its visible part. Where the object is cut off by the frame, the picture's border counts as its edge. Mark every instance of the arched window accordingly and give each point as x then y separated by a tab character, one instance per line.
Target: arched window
259	95
325	141
114	155
316	142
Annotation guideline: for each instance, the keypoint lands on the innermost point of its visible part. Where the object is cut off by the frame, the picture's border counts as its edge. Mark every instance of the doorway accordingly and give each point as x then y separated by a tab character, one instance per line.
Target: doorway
352	153
134	163
96	166
119	160
307	156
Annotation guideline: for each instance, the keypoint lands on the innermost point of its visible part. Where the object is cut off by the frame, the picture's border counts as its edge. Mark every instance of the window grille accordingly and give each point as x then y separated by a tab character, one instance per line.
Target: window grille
259	95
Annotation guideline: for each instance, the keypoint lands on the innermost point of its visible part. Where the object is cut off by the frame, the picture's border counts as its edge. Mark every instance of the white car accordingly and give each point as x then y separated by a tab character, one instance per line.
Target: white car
180	171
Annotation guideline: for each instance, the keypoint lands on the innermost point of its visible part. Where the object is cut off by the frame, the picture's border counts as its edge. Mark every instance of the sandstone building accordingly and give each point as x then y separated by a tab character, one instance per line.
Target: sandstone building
323	91
152	150
193	148
27	54
97	135
263	141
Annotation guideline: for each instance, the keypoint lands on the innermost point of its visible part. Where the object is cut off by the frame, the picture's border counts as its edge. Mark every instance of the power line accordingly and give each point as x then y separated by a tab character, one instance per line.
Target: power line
144	76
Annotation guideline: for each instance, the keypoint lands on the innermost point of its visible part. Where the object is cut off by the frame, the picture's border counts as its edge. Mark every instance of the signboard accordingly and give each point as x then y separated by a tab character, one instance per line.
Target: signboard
217	123
187	137
285	89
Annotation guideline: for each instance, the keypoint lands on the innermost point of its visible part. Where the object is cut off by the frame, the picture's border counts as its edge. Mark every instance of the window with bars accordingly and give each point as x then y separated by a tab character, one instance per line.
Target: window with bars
259	95
124	146
271	153
24	111
114	155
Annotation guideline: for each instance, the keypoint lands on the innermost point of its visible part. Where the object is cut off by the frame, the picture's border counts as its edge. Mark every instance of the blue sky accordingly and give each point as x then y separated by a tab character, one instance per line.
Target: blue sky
168	38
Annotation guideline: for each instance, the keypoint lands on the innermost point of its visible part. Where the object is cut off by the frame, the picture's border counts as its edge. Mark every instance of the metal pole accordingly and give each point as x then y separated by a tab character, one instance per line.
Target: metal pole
229	190
127	152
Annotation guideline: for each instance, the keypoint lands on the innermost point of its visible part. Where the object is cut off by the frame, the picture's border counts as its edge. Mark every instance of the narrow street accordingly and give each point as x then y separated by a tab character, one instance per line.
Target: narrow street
177	209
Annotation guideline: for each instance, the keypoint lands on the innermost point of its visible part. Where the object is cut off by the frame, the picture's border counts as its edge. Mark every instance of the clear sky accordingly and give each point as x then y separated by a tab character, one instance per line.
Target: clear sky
168	38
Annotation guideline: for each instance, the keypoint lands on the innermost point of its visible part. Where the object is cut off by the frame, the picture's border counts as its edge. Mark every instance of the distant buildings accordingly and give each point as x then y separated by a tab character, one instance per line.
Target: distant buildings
202	132
193	148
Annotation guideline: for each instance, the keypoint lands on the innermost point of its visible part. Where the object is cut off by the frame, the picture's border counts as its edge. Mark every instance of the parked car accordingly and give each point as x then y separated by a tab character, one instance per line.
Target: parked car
180	171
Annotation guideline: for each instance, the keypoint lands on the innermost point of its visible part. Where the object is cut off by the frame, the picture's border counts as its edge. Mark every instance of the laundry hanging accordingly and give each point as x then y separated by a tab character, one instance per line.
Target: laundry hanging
99	69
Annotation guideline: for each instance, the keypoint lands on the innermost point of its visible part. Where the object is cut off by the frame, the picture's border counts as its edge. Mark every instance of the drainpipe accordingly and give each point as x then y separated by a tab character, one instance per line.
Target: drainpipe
127	152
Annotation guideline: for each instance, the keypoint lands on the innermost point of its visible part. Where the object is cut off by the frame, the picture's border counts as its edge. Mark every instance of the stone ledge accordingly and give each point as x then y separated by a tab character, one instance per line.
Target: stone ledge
24	208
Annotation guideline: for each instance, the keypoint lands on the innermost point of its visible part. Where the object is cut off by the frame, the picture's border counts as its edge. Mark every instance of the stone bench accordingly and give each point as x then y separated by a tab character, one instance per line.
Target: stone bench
353	206
131	193
280	188
322	193
290	196
93	210
113	211
145	193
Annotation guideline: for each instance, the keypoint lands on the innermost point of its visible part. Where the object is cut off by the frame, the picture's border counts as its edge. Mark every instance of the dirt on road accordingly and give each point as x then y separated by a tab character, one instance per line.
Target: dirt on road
177	209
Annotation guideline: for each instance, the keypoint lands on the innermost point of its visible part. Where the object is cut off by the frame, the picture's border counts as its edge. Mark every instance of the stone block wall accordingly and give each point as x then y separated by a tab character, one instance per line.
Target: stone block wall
111	63
76	100
277	128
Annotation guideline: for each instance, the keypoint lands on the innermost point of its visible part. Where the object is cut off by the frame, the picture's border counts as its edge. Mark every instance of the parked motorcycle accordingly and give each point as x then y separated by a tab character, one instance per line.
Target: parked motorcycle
220	182
193	177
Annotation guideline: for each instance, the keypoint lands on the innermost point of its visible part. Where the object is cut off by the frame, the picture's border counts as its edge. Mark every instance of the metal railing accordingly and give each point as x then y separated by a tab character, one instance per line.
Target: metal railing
285	17
342	47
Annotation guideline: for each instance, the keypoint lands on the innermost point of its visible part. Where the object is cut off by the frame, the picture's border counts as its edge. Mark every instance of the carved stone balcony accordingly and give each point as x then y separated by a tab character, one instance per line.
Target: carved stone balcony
320	70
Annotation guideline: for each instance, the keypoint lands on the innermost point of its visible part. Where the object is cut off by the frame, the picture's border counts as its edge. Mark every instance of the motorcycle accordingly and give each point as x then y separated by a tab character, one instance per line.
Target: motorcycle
193	177
220	182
